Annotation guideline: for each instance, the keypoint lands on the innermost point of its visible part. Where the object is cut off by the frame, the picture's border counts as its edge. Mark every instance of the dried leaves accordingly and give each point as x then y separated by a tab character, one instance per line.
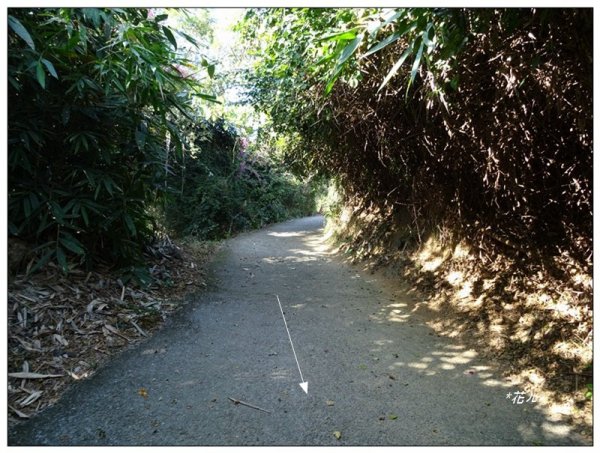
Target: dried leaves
24	375
61	329
52	326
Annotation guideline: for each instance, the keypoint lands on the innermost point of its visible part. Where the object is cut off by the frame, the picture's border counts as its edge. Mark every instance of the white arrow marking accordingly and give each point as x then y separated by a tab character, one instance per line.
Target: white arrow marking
303	384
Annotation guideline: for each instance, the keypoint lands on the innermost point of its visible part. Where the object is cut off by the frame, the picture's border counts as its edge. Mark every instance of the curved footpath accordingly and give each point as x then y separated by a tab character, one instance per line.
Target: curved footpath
377	375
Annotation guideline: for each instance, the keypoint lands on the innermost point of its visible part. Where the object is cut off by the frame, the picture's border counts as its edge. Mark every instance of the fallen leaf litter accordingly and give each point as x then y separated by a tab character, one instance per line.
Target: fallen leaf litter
62	328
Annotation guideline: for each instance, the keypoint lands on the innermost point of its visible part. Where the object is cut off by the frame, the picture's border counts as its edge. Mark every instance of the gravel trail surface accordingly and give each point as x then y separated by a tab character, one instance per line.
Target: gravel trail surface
377	375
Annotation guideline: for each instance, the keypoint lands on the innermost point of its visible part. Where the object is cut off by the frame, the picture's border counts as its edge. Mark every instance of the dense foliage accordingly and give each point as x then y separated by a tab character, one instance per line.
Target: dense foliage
226	185
104	133
91	97
479	119
475	118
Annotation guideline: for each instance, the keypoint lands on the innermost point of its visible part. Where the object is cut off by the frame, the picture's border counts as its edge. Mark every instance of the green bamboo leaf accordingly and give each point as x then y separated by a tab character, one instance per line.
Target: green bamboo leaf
44	246
331	82
71	243
92	206
344	56
130	224
90	178
97	191
12	228
57	211
327	58
211	70
402	30
140	136
350	49
208	97
345	35
40	74
428	42
84	214
375	25
396	15
82	37
21	31
416	64
42	261
108	184
169	34
188	38
62	259
589	394
161	17
50	68
43	224
119	85
395	68
381	44
454	83
16	85
35	202
76	206
93	14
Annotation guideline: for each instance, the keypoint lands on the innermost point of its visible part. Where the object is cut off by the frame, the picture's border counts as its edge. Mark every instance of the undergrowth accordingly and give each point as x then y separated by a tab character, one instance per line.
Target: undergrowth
226	185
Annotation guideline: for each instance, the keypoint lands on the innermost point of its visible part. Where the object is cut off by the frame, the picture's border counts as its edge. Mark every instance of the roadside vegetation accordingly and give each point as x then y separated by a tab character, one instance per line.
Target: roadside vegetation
450	146
459	146
105	132
121	178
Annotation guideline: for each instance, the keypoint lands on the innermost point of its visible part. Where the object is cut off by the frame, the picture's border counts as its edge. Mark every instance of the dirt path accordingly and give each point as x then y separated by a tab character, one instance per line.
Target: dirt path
377	375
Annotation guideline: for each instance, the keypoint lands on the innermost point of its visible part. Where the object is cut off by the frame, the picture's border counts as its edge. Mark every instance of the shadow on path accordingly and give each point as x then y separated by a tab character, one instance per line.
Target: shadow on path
377	374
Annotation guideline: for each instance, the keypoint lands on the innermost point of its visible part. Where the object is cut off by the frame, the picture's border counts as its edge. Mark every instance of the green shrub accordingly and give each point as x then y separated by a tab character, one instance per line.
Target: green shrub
478	119
90	99
226	188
